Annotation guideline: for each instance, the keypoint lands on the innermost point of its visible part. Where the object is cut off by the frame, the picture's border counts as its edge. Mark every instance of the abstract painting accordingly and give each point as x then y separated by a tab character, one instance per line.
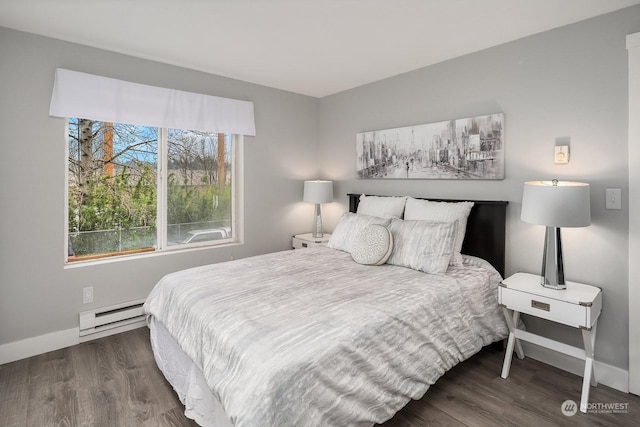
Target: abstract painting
470	148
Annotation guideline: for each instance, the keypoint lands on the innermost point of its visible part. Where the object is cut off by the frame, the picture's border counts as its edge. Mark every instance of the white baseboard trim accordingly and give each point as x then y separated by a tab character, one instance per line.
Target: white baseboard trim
608	375
37	345
22	349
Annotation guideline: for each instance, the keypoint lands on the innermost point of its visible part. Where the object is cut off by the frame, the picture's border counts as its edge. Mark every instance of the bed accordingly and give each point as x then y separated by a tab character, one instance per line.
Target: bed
311	338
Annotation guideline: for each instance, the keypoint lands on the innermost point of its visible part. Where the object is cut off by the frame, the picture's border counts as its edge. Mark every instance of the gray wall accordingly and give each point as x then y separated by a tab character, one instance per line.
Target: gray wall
570	82
37	294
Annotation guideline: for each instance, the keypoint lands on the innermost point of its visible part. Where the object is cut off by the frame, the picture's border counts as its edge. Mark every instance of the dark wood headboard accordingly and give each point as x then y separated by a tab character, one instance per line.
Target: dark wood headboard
485	236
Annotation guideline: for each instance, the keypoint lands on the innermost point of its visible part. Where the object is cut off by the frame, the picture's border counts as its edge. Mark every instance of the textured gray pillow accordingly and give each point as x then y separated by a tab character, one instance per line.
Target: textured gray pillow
349	226
422	245
445	212
372	245
382	206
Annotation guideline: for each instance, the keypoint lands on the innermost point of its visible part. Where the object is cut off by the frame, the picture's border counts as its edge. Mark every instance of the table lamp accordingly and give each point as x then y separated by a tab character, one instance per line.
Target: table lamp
318	192
555	204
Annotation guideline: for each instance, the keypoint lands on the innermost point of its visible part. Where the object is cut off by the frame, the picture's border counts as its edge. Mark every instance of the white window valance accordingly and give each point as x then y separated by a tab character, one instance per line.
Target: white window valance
104	99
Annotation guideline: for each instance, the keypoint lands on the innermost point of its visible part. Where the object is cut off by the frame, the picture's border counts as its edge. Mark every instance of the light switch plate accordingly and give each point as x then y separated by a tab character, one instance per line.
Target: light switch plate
613	198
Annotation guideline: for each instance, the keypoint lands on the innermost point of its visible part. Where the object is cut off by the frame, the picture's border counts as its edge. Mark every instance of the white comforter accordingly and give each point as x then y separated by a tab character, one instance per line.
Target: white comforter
310	338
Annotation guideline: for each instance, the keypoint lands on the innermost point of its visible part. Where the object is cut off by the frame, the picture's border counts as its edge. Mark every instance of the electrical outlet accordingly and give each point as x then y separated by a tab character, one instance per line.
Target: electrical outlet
87	295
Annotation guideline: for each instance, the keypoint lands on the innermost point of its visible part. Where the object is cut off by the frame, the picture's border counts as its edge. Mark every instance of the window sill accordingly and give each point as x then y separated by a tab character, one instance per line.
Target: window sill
138	254
109	255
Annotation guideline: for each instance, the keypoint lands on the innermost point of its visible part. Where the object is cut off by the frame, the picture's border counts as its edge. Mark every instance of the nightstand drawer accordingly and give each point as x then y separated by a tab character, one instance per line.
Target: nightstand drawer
301	244
301	241
555	310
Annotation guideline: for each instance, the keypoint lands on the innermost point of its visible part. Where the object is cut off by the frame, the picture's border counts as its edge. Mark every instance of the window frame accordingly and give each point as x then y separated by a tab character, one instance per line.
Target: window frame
162	247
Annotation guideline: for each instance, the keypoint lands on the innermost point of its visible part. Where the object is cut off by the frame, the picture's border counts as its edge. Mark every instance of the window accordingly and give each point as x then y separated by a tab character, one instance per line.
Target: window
135	189
151	185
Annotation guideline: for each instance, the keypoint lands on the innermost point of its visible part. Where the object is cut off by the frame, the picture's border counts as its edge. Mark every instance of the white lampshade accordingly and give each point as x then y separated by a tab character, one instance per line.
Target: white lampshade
318	191
556	203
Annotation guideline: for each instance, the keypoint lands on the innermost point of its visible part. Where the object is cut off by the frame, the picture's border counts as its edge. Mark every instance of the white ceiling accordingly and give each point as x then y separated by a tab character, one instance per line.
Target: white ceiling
312	47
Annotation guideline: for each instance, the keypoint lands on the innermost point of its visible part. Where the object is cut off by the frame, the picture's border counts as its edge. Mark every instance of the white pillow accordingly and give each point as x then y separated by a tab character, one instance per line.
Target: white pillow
422	245
442	211
372	245
384	207
349	226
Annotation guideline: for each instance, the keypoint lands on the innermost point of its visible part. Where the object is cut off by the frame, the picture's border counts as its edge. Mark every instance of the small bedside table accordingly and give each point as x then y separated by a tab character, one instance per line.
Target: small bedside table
306	240
579	306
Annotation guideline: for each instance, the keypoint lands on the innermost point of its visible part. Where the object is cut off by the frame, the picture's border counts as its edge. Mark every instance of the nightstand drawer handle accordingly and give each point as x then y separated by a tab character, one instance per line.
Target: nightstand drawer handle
540	305
305	245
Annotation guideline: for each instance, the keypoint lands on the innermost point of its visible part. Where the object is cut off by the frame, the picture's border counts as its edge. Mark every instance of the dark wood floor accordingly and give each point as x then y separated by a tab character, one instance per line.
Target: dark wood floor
114	381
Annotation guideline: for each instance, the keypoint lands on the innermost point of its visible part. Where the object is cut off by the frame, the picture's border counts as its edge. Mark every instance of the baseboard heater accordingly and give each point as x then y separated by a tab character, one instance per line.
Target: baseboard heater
122	316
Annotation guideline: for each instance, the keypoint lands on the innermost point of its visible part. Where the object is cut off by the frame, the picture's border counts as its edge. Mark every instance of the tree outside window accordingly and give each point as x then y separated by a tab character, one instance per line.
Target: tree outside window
117	184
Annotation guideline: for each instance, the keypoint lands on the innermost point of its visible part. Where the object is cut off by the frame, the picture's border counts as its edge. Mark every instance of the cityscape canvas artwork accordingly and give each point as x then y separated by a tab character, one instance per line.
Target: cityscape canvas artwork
470	148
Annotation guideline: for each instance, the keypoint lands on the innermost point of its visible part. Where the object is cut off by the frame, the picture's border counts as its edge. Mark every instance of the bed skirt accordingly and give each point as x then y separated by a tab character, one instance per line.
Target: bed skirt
186	379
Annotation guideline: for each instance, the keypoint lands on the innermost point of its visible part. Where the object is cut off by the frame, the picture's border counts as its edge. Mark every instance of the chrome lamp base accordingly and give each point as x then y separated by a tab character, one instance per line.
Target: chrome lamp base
552	275
317	222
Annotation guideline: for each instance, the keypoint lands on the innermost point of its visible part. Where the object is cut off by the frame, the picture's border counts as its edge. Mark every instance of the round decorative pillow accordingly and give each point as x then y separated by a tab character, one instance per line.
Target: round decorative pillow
372	245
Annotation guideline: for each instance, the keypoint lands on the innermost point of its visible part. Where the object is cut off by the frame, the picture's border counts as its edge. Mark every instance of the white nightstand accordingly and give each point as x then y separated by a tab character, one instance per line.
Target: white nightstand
579	306
300	241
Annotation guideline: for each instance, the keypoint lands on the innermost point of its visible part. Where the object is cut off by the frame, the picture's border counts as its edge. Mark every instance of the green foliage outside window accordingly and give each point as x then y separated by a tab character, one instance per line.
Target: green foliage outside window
113	193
